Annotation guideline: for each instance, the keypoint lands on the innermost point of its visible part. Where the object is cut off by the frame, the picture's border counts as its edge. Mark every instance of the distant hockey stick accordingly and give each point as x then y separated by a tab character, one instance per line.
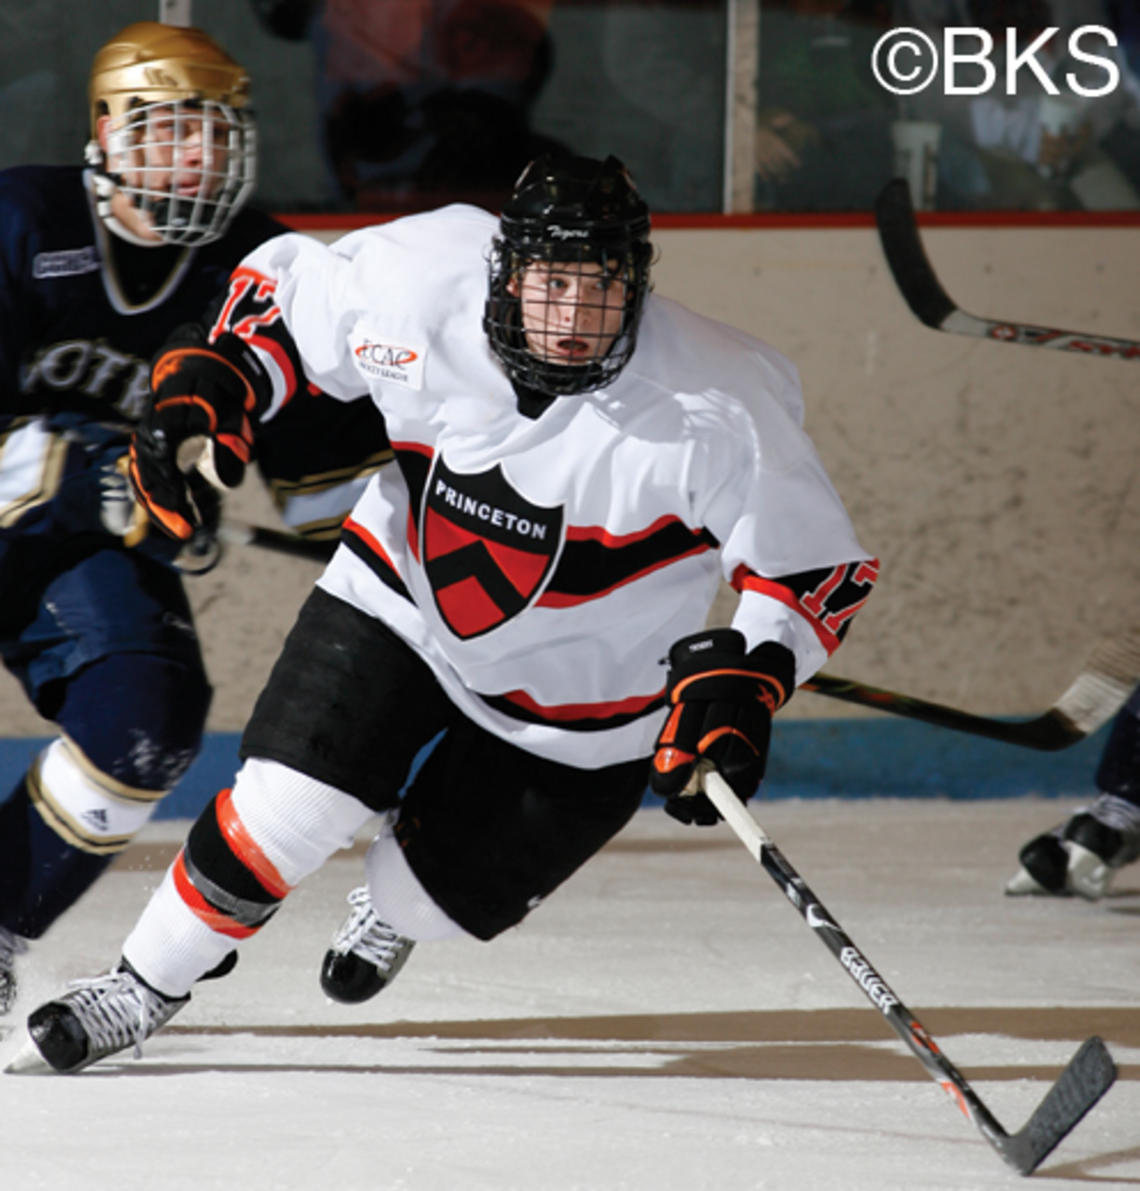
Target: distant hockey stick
1084	1081
1094	696
242	533
919	285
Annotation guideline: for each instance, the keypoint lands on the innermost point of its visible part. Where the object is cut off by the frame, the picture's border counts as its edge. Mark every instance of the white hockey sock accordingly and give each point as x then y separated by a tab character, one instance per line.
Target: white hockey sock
170	947
296	821
398	898
292	821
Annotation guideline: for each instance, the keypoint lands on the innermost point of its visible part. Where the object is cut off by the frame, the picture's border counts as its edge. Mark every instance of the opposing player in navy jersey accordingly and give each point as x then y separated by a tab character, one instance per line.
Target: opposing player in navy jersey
98	266
580	464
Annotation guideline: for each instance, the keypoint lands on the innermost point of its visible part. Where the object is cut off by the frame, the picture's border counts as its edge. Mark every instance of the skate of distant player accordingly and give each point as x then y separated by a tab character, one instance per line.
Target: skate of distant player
1083	854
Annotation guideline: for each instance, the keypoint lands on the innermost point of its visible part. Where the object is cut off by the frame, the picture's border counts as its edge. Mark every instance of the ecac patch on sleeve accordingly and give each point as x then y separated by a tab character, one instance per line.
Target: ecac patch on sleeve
379	358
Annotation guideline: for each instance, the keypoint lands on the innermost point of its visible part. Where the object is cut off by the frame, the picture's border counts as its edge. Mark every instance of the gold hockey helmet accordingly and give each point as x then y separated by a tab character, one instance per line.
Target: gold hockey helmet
162	85
148	62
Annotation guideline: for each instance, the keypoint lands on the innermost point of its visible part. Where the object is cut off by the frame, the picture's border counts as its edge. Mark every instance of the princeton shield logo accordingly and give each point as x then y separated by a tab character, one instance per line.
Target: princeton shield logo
486	550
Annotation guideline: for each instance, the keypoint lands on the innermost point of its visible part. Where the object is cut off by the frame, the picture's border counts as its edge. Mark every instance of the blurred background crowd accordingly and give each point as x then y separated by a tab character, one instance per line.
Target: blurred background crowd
716	105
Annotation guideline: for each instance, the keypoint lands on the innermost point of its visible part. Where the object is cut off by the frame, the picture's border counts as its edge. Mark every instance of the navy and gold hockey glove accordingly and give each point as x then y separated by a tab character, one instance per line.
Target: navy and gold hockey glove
197	434
722	700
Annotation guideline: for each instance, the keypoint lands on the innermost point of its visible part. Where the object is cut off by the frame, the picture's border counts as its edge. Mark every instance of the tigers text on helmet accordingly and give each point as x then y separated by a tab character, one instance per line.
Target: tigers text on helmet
569	272
173	143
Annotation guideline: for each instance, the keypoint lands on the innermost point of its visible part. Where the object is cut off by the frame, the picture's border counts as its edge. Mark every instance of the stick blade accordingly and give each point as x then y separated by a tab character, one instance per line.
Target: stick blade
1090	1074
906	257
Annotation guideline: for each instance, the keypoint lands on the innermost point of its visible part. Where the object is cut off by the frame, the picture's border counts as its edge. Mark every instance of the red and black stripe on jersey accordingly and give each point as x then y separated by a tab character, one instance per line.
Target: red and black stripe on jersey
414	460
365	546
827	598
594	561
576	717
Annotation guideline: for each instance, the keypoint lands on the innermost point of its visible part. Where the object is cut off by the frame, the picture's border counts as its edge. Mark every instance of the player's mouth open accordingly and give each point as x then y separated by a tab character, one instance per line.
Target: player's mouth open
573	348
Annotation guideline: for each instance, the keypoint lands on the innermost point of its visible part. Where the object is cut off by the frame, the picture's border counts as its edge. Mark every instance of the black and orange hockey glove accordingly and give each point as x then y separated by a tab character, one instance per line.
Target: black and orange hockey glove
197	434
722	700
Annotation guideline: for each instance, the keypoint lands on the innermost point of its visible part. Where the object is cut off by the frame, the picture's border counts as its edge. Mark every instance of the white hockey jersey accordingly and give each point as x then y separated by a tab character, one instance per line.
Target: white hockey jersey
542	567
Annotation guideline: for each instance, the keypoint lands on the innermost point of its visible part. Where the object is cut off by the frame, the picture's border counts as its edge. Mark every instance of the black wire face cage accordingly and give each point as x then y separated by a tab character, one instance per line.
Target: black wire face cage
562	315
188	165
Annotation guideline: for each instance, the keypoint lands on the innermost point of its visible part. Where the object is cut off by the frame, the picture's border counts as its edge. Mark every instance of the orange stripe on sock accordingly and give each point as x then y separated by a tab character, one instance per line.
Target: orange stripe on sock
246	848
223	924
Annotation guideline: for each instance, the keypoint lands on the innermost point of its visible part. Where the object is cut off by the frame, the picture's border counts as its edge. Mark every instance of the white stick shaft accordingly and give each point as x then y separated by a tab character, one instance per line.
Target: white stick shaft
720	794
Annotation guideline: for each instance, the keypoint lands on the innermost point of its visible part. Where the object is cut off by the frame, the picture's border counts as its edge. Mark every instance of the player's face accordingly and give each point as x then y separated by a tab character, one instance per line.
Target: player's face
165	151
571	311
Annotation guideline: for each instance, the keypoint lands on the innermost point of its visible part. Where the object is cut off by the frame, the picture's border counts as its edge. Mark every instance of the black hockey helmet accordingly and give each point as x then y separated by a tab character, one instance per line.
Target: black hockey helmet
568	209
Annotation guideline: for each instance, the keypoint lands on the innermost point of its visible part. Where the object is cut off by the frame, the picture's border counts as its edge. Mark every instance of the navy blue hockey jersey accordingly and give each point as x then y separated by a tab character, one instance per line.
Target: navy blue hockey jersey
82	312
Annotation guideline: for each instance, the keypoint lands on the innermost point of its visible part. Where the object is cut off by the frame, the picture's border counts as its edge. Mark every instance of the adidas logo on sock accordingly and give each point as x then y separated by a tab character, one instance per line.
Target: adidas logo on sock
96	818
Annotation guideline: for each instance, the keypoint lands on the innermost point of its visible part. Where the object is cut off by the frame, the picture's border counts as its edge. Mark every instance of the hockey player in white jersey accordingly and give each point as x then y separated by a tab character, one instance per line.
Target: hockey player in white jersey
580	463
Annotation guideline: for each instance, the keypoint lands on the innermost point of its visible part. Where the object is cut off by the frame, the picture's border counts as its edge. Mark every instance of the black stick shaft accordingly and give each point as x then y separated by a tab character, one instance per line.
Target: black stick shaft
919	285
1083	1082
1048	732
278	541
904	1023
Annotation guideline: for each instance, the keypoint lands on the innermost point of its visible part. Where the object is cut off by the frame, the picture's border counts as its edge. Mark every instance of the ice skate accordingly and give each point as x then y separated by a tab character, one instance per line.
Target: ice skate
365	956
1083	854
97	1018
11	945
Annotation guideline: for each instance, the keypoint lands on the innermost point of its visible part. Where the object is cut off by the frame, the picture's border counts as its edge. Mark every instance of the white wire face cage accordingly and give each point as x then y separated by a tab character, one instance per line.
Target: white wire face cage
187	165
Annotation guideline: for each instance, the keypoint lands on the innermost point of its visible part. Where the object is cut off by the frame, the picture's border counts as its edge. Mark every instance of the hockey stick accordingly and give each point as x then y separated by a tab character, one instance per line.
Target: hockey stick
1090	1073
919	285
1095	695
242	533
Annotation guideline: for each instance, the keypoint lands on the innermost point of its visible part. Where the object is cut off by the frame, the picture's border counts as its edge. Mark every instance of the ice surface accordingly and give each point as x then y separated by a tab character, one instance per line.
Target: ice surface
665	1021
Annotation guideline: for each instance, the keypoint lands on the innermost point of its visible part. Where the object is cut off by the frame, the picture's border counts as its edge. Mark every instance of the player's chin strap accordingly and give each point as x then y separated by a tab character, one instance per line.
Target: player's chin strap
105	186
